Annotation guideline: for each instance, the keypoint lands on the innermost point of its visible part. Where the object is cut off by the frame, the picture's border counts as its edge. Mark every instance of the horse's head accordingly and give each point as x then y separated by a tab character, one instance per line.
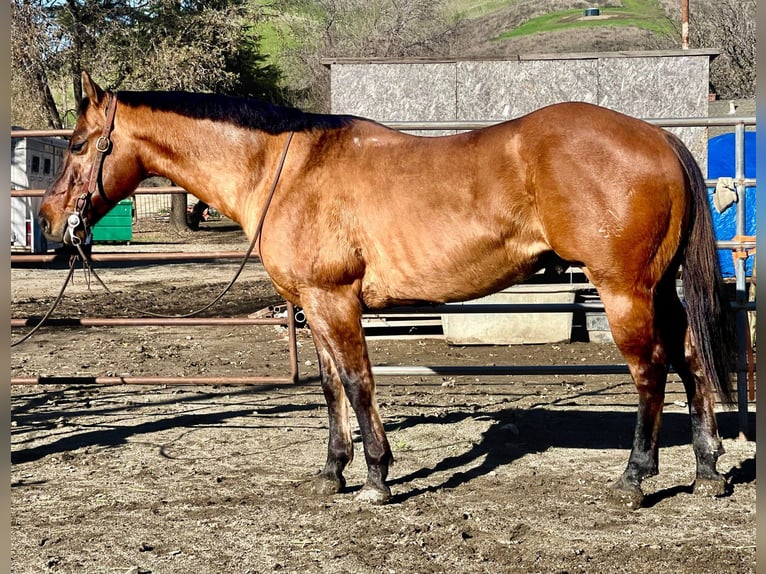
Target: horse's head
99	169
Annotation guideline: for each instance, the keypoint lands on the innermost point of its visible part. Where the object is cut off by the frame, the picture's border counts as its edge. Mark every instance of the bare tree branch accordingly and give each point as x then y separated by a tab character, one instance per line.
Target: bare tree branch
729	26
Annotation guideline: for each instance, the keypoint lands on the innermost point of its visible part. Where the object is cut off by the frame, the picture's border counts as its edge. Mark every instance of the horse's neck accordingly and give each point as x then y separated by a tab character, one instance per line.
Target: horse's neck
215	161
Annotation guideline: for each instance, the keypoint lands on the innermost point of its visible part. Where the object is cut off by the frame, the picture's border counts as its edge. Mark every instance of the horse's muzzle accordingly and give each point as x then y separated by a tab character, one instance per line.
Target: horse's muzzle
66	234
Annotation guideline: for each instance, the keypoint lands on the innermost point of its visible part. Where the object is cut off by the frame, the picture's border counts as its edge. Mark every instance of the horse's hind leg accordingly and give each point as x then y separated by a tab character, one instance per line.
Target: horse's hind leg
632	320
335	319
700	397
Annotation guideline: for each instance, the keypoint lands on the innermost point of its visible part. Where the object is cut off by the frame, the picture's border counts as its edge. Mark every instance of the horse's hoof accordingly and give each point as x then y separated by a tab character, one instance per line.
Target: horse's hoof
321	486
713	487
626	495
371	495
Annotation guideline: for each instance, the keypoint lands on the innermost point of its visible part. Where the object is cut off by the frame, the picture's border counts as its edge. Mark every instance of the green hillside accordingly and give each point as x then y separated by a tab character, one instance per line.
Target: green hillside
646	15
479	22
470	29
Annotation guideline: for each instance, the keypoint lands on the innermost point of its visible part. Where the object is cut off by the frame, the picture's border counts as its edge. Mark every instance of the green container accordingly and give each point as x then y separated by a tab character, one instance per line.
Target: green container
117	224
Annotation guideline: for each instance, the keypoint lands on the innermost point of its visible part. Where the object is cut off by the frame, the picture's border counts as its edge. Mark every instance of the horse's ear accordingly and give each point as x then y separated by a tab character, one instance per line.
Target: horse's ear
90	89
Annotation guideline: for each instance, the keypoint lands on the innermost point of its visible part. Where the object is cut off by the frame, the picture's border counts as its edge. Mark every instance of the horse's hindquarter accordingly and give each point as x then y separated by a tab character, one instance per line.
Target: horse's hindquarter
610	191
408	218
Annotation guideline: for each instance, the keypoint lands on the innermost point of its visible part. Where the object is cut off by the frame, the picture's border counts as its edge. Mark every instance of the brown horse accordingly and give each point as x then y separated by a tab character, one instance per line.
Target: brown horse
364	217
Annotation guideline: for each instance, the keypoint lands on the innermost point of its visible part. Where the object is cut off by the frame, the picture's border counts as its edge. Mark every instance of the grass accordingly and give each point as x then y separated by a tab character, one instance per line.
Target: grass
647	15
267	32
273	32
467	9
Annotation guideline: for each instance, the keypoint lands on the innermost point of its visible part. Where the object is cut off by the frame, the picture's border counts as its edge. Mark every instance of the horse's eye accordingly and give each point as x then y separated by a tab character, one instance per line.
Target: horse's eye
77	147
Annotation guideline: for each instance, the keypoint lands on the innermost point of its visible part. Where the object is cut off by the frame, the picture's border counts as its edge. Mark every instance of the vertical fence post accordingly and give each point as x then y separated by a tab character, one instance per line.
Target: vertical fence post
292	343
741	282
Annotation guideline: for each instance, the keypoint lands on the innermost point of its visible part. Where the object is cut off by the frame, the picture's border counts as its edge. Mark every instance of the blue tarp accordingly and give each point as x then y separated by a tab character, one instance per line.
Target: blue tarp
721	163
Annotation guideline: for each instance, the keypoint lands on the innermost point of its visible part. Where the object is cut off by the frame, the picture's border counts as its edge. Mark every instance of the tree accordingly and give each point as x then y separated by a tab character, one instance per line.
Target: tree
34	58
136	44
728	25
312	29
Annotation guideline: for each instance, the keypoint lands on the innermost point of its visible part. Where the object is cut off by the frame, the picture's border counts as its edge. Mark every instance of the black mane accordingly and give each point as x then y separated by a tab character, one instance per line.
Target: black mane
245	112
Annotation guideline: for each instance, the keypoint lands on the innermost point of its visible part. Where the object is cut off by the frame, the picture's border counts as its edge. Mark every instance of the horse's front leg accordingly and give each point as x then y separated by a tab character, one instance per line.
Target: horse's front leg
335	318
340	450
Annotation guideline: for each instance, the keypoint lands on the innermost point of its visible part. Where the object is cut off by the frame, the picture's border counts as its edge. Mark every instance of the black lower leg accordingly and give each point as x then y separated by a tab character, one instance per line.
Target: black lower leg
340	450
377	451
707	446
699	395
643	461
644	456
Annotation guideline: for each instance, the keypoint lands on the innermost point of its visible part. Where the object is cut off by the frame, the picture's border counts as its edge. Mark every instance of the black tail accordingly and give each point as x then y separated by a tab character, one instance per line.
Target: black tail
707	307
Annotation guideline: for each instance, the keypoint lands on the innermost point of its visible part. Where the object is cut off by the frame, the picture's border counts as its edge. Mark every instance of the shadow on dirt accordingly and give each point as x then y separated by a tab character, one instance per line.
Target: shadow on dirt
540	429
513	433
53	409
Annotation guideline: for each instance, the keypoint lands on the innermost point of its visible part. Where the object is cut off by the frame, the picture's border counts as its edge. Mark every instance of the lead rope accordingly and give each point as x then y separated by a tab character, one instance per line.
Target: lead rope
92	272
33	330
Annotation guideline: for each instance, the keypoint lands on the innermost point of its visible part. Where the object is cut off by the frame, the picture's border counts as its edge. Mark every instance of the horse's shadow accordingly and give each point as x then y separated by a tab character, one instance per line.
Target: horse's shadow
541	429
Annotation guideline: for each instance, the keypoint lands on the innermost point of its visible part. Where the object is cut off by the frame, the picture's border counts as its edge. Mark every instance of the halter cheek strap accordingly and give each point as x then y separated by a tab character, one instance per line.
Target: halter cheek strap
103	145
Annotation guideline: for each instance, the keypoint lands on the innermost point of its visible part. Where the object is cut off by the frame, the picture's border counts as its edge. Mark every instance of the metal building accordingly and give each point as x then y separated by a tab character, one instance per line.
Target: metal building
34	165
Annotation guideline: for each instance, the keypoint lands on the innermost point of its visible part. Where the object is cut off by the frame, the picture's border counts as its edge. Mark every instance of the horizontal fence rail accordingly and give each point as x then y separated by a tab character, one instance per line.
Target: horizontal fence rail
452	308
131	380
149	321
145	257
741	244
499	370
288	322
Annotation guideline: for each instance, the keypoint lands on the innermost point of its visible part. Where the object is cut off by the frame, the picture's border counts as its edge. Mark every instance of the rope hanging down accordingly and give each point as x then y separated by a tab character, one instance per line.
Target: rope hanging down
72	262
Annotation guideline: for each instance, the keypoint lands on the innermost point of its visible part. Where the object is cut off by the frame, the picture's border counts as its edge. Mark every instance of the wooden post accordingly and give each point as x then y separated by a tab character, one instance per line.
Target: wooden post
685	24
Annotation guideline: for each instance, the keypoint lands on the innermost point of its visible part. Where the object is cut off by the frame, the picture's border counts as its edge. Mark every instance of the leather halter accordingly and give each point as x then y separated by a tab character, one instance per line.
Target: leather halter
103	145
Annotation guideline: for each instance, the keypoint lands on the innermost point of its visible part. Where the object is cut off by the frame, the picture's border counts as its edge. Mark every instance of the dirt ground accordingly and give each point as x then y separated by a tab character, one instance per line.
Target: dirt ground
492	474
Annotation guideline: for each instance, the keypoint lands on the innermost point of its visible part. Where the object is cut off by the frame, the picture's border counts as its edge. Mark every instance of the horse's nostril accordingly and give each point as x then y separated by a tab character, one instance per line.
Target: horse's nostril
45	226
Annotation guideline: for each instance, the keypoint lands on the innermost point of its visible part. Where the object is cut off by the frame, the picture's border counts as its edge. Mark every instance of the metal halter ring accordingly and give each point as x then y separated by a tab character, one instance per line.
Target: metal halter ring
102	144
73	222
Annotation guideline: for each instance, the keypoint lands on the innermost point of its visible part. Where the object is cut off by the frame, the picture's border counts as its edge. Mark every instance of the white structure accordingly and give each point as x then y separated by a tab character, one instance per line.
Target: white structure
35	163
